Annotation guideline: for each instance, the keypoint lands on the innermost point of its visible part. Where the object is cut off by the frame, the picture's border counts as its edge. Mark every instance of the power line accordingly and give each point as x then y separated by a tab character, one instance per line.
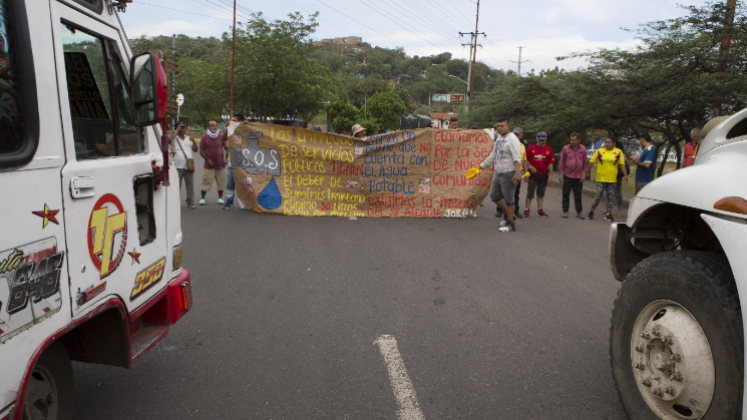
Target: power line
401	23
422	22
182	11
360	23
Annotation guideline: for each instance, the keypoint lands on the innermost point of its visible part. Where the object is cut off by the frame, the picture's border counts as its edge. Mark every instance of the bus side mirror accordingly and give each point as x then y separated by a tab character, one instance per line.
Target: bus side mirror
149	90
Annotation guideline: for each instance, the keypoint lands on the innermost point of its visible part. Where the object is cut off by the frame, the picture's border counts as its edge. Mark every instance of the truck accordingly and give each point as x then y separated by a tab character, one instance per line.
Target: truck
91	245
677	334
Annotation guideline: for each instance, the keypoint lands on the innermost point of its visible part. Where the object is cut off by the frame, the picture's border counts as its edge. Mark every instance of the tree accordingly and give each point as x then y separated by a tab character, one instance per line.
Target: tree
205	87
274	76
342	114
387	108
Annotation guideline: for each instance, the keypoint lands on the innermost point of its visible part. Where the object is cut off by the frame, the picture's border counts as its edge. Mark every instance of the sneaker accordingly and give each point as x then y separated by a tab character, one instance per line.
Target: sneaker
498	212
202	202
192	206
608	217
541	213
227	207
510	227
564	215
517	215
591	215
221	202
526	212
580	216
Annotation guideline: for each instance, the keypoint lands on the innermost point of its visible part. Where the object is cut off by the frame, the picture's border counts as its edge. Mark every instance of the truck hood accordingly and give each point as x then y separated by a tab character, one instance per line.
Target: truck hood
717	174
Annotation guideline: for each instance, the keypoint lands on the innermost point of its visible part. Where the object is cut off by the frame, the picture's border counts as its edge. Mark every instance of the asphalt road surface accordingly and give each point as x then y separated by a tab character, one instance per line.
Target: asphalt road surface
331	318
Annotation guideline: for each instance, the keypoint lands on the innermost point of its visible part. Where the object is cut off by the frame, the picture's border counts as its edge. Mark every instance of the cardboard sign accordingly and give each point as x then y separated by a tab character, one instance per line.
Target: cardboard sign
411	173
85	98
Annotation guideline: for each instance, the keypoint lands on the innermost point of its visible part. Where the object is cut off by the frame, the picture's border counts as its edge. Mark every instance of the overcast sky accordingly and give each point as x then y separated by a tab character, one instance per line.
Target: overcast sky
547	28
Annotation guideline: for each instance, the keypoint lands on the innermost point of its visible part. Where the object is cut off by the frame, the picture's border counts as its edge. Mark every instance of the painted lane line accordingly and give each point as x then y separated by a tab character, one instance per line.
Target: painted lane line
404	393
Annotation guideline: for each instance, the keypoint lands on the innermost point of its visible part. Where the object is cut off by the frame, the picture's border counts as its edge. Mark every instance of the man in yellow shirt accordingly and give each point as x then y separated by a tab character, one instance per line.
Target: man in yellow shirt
608	159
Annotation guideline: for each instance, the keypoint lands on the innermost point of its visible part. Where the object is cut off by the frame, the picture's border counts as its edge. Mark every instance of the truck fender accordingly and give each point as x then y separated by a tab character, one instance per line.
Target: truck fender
112	303
731	233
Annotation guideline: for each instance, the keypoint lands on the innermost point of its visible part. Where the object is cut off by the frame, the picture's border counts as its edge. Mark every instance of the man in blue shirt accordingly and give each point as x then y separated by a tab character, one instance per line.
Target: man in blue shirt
646	162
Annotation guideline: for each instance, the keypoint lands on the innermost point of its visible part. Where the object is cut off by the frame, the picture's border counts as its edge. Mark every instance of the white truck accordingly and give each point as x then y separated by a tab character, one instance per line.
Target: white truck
677	335
90	251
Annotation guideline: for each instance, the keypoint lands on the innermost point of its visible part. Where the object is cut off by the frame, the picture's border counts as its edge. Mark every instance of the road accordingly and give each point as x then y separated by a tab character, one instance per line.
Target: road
288	311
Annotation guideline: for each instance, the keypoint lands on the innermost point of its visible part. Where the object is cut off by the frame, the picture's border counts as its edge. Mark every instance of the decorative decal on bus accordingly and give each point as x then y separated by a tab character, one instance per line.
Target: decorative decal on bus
107	234
148	277
29	285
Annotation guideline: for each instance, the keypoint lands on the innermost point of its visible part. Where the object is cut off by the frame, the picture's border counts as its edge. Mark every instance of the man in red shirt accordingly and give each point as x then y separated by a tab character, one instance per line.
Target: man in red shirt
691	148
540	158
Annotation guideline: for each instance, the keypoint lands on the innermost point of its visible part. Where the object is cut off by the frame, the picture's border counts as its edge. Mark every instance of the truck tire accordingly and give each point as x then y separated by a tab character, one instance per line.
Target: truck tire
676	339
49	391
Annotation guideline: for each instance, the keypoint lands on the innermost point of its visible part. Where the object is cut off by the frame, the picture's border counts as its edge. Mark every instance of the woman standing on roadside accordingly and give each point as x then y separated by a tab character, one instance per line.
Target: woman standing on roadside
608	160
621	171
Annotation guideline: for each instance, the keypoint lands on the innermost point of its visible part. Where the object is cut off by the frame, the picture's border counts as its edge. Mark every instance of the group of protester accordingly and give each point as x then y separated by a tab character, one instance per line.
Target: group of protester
511	158
217	166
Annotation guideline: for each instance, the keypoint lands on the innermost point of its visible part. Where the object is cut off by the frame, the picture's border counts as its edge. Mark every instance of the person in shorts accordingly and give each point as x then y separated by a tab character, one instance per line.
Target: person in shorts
211	149
540	158
506	158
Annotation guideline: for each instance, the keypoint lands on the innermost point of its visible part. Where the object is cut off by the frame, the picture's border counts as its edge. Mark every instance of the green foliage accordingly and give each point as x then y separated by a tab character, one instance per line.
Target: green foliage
186	47
371	126
274	76
205	87
387	108
342	114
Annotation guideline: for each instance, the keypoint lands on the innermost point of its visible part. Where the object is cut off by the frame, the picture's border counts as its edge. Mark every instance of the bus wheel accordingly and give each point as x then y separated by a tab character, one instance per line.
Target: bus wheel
49	391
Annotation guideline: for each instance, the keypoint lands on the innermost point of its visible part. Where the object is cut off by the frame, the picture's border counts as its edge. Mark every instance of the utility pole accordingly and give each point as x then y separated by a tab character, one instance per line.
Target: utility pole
473	56
723	57
365	99
233	55
525	61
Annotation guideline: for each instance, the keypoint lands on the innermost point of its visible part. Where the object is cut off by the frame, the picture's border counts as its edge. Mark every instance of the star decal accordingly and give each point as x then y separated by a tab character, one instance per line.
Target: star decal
48	215
135	256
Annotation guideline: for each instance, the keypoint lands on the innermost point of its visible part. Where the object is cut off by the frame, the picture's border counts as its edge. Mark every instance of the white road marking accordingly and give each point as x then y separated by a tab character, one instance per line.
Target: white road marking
404	393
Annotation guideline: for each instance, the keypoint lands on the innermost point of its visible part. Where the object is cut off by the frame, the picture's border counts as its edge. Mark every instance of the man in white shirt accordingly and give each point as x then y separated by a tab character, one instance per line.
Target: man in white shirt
506	156
181	149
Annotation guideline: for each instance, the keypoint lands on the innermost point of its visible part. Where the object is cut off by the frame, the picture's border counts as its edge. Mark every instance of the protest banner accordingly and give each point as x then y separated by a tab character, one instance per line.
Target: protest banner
410	173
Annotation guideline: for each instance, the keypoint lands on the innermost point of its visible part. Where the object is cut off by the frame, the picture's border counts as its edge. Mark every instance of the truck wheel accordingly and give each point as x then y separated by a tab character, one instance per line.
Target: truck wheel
676	340
49	391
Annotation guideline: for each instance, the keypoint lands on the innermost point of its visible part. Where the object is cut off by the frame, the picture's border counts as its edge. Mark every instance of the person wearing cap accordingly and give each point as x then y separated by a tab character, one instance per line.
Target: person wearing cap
454	123
181	148
540	159
474	126
572	168
645	162
359	132
506	156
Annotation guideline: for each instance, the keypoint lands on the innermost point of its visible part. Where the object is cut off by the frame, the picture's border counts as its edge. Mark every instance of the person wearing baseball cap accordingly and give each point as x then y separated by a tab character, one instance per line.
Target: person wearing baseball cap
540	159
